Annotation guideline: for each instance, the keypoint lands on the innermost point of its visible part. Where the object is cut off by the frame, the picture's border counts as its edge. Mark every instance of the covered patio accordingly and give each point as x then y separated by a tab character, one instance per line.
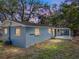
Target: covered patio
61	33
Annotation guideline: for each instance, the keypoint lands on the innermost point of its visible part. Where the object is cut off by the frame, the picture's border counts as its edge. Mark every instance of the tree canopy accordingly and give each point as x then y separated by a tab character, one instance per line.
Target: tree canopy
67	15
21	9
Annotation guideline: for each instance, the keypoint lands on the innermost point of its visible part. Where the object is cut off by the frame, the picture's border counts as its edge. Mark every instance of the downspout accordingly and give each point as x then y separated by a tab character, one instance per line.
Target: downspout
10	23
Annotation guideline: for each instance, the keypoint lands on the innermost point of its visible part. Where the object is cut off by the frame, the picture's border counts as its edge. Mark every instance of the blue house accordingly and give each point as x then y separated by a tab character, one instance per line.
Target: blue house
25	35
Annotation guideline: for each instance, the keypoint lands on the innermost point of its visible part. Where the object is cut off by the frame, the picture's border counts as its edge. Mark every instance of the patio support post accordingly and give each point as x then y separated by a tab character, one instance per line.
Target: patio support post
53	32
70	34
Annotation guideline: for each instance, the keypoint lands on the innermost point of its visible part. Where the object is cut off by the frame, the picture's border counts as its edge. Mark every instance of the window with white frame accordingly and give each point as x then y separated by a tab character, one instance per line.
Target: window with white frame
5	31
37	31
49	30
18	31
62	32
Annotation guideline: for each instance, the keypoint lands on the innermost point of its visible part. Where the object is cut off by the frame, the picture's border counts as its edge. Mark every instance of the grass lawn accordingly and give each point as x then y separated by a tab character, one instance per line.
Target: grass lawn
51	49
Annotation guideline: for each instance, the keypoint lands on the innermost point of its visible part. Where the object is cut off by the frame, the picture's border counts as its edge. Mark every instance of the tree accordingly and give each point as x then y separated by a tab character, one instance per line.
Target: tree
8	7
67	15
21	8
45	17
2	10
71	14
34	6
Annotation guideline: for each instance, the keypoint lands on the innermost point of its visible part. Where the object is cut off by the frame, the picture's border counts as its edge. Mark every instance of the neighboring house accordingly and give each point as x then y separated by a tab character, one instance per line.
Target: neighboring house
24	35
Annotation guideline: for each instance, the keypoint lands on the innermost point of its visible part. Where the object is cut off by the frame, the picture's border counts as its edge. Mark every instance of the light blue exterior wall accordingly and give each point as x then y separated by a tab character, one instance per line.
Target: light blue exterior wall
31	39
27	39
16	40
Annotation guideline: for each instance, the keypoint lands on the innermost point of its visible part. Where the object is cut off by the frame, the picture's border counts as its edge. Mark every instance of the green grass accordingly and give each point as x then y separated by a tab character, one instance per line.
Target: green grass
56	51
62	49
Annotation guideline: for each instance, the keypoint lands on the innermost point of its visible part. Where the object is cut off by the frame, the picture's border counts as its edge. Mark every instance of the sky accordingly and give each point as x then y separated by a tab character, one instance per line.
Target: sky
58	2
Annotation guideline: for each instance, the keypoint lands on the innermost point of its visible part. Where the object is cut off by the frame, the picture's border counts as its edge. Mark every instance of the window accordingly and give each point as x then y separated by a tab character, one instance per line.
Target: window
37	31
49	30
62	32
65	32
5	31
18	32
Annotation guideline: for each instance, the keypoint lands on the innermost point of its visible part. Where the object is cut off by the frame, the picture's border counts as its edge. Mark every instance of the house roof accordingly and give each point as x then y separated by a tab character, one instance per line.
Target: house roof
7	23
33	24
18	23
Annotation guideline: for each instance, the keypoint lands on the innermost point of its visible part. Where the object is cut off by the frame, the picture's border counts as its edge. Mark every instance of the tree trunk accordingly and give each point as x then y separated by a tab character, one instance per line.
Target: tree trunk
23	9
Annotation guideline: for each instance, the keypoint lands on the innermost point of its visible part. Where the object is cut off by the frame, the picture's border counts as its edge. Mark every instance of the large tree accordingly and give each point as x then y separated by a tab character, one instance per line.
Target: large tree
71	14
18	9
67	15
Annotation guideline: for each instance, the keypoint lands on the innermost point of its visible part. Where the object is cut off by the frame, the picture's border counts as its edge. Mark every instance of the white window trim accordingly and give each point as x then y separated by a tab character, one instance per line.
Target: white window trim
18	32
5	31
37	31
49	30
